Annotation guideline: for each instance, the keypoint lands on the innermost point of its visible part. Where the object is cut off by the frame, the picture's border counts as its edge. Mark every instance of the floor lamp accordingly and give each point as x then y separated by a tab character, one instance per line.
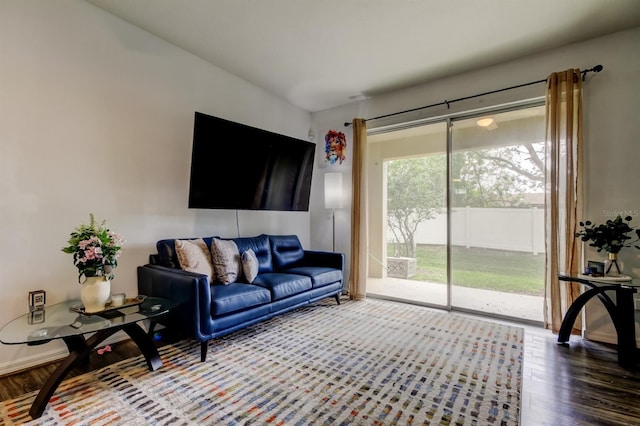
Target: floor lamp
333	197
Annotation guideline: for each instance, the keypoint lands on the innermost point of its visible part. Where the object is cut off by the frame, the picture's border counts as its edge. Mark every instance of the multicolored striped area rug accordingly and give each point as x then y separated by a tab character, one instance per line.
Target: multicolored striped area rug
361	363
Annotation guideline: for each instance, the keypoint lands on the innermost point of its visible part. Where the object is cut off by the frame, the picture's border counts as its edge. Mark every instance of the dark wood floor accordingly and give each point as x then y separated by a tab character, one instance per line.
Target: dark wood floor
581	384
578	384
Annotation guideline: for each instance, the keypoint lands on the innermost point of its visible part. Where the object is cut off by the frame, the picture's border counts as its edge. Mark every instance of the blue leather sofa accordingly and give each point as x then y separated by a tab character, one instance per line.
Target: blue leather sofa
289	277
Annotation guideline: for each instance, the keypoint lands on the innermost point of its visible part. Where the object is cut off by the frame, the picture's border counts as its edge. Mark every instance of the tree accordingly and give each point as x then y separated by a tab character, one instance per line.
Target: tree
486	177
416	191
497	177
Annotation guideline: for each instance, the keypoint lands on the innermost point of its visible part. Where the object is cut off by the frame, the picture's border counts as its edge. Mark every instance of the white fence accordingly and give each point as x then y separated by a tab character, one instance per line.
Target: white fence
503	229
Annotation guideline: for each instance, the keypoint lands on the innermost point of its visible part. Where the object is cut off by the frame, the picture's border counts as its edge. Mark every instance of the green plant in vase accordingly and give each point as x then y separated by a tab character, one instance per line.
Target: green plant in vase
611	237
95	250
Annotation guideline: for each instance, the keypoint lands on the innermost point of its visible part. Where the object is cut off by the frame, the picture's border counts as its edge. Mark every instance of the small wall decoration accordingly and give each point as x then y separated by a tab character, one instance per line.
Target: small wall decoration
335	147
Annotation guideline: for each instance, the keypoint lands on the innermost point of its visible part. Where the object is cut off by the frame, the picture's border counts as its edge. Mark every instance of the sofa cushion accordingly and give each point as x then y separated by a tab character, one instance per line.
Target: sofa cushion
250	265
287	251
320	276
261	247
226	260
194	256
167	251
283	285
236	297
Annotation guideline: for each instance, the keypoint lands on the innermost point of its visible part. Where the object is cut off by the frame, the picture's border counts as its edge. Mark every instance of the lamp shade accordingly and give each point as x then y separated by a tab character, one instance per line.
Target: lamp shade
333	190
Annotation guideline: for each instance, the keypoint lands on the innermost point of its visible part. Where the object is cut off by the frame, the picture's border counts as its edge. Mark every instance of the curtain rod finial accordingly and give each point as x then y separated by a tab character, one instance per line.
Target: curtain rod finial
598	68
347	124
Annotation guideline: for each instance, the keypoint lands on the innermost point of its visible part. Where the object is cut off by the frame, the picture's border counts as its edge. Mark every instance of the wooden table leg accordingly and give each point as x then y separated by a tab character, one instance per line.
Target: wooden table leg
573	312
79	353
79	350
146	344
577	305
626	328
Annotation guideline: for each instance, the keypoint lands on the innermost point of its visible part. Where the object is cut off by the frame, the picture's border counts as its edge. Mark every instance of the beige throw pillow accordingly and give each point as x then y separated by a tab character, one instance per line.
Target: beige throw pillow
250	265
193	256
226	260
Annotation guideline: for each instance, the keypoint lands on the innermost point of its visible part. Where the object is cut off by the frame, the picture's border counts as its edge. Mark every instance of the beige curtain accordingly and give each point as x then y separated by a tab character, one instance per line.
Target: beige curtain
563	192
359	258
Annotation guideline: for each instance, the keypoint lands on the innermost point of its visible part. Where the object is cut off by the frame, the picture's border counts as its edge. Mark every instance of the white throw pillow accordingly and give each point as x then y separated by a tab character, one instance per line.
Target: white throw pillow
226	260
250	265
193	256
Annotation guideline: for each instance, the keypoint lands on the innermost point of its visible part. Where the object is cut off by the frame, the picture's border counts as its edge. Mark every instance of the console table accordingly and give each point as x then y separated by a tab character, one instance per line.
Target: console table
67	322
622	313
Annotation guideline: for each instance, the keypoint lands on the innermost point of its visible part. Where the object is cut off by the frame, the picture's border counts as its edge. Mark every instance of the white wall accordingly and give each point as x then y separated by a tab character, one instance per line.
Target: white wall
611	125
97	116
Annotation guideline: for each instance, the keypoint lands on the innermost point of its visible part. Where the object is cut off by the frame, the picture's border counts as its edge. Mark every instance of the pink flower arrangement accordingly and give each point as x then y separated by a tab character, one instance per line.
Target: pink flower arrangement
95	250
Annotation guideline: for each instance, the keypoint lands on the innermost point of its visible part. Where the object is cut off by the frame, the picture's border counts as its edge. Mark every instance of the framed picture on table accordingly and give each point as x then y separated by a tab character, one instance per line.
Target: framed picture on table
595	268
37	299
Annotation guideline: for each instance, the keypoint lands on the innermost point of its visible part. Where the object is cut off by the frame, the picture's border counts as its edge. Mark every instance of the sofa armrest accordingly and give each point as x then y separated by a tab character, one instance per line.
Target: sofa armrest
324	258
191	291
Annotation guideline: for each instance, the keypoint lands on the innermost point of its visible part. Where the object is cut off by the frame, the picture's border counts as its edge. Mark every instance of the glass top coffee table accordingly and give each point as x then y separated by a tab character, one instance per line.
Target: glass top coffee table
67	321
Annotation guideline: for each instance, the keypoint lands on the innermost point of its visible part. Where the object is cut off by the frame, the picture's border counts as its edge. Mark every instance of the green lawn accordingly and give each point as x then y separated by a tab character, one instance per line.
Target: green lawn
500	270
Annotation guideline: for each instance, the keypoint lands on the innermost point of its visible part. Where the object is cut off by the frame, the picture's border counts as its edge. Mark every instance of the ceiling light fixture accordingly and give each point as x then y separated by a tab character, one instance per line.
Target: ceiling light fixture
485	122
488	123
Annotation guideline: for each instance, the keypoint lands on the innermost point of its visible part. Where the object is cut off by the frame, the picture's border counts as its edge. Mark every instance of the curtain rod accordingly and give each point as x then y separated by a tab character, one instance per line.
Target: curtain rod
596	68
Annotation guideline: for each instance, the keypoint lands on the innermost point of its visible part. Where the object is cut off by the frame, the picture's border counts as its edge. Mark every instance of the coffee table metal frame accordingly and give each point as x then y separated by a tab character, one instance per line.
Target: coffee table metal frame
622	313
61	321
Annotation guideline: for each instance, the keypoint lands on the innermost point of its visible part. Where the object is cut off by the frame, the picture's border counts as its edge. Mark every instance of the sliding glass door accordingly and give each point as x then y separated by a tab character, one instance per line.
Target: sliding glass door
409	218
456	213
497	213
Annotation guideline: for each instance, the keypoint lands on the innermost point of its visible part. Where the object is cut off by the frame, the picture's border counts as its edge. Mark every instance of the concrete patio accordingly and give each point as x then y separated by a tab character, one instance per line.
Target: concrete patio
516	306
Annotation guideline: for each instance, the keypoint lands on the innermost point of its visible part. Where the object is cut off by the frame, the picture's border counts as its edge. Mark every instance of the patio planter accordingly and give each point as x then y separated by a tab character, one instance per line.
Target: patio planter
401	267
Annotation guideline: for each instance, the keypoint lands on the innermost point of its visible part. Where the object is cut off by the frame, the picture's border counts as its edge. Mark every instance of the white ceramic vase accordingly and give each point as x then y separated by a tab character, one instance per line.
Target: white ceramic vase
95	294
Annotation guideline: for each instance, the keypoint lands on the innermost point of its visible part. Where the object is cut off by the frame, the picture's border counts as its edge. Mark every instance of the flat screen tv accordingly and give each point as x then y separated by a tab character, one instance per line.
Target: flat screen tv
235	166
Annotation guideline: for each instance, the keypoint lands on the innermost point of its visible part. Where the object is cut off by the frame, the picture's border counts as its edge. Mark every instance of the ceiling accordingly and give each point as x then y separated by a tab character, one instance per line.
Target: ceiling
319	54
